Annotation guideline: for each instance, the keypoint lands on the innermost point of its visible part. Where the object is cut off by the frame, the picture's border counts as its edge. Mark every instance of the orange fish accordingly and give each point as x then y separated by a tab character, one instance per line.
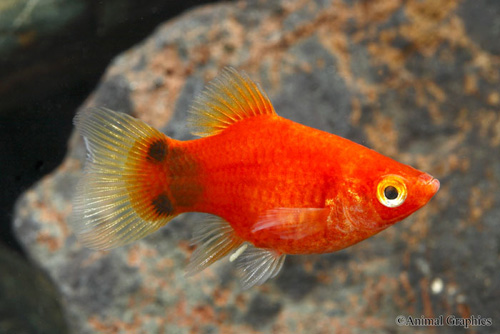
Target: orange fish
274	187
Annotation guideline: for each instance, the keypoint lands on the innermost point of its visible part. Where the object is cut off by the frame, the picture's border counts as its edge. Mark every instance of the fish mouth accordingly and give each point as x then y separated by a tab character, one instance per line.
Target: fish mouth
429	183
433	186
434	183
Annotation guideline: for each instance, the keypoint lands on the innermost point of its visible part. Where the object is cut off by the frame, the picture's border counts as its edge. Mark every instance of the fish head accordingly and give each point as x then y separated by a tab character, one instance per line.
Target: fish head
381	192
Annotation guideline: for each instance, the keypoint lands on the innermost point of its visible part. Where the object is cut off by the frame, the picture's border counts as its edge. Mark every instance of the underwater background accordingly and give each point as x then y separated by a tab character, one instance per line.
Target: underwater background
416	80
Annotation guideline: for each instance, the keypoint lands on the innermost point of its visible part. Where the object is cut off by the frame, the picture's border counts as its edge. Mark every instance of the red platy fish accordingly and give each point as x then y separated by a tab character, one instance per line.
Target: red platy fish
273	186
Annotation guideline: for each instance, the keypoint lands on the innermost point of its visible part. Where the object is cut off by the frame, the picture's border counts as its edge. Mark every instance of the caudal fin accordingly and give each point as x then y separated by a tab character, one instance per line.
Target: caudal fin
123	195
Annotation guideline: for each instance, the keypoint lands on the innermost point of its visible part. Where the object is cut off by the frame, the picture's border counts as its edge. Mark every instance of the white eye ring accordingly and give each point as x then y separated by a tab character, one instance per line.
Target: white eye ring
391	191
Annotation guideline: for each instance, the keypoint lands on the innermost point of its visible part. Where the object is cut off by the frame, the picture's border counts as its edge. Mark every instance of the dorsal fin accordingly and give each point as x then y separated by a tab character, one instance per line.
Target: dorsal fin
229	98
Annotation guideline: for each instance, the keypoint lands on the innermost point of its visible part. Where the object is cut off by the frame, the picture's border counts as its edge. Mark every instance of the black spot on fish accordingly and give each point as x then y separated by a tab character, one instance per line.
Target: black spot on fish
162	205
157	151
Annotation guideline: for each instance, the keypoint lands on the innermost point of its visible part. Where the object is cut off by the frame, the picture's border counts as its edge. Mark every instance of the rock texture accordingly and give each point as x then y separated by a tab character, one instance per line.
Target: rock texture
415	80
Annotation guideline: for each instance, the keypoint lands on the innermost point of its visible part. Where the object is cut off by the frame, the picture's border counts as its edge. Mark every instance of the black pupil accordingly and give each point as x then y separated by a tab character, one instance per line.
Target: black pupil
390	192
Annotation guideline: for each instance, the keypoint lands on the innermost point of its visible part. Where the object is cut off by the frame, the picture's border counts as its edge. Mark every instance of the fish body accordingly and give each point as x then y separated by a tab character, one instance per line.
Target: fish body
278	187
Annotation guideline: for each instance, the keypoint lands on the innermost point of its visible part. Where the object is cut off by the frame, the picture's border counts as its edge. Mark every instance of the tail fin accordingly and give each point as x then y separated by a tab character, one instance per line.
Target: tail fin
123	194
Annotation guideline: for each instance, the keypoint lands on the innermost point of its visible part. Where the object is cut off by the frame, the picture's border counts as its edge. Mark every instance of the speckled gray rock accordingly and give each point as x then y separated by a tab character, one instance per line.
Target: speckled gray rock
407	79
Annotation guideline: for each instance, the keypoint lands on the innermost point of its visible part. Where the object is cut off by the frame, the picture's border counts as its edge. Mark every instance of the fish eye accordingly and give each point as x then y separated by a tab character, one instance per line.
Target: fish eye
391	191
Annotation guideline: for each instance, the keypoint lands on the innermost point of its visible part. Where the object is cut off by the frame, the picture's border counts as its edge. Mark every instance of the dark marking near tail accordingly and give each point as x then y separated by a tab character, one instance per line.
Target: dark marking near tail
157	151
162	205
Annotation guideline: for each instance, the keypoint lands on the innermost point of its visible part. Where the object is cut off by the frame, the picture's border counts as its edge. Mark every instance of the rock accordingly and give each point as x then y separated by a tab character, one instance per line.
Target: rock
405	78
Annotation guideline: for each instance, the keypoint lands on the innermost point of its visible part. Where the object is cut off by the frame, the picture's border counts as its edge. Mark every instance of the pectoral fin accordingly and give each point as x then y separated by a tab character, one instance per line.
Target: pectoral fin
293	223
